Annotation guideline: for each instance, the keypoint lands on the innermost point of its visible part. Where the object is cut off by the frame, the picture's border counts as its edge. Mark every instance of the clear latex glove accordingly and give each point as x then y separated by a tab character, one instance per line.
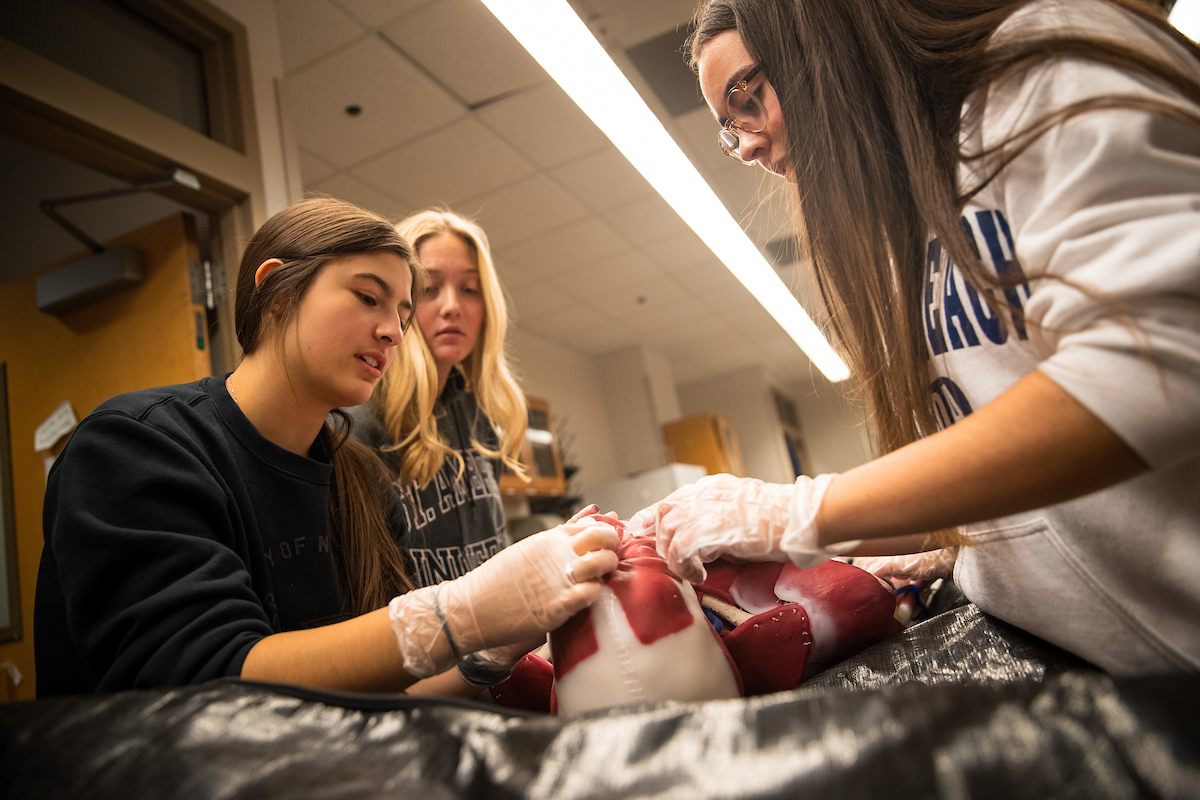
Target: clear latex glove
586	511
741	517
494	665
930	565
521	593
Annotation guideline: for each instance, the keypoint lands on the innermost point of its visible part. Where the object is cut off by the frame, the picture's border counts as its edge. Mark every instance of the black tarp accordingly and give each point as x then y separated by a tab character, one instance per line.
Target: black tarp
961	705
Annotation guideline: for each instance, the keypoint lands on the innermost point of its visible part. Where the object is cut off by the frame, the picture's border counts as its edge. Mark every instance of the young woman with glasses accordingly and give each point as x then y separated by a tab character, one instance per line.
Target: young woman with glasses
1000	199
228	528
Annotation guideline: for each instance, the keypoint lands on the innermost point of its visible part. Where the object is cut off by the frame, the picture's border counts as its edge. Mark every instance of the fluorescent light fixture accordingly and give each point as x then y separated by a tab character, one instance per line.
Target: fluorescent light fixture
554	35
1186	17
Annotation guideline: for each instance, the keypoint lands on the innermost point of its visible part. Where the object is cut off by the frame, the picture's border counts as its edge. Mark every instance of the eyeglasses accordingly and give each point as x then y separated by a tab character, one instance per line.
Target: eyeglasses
746	114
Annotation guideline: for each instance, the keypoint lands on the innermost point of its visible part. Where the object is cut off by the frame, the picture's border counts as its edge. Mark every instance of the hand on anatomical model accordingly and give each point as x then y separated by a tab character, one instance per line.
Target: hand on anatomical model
750	628
645	639
487	668
741	517
927	566
784	624
913	576
518	595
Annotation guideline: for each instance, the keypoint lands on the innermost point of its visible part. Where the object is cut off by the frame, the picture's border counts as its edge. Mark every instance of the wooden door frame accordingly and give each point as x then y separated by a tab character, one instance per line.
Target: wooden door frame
55	109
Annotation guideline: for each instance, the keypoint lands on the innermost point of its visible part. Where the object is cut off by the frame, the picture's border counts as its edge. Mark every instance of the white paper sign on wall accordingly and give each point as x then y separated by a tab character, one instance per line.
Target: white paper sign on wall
56	426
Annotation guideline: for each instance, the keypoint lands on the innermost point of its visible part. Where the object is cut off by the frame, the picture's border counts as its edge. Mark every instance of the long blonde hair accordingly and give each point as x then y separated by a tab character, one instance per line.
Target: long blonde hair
406	397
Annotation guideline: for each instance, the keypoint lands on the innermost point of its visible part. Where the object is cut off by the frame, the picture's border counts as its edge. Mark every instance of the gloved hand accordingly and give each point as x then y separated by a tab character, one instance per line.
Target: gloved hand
741	517
930	565
586	511
521	593
492	666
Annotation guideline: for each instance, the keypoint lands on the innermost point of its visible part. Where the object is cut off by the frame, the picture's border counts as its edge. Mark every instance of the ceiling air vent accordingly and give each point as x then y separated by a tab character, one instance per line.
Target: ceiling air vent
660	60
783	251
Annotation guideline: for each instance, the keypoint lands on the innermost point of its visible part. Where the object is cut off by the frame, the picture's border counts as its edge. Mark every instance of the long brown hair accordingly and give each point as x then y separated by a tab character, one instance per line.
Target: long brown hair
872	97
306	237
407	398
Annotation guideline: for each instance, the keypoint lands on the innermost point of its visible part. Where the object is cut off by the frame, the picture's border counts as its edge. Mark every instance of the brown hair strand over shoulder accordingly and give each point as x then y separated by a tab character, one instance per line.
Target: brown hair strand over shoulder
306	237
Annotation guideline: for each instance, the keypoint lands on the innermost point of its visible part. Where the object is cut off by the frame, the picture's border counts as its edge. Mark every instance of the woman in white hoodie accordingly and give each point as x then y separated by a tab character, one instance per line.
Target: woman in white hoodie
1002	203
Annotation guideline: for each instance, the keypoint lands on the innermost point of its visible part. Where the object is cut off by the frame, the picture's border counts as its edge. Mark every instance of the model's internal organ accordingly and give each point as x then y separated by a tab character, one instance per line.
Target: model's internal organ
846	610
768	626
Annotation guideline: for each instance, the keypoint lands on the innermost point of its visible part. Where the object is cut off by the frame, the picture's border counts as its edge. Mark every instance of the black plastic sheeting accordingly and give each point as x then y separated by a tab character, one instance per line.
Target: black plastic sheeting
961	705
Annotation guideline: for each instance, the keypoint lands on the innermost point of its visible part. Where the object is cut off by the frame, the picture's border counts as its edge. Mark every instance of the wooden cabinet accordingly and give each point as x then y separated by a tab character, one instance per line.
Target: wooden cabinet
146	336
707	440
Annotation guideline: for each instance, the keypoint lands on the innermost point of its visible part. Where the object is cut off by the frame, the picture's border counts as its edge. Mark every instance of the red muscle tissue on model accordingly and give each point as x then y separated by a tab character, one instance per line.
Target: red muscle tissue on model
748	629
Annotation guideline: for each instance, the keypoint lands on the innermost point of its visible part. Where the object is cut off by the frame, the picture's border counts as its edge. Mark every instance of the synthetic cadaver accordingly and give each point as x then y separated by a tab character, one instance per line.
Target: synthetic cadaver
769	626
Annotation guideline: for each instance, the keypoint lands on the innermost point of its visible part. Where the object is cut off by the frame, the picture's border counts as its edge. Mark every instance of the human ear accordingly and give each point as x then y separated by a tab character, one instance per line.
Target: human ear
265	269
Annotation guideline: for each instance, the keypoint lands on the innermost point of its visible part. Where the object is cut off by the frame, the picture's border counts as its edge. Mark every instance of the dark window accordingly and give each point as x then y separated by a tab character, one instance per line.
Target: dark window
117	48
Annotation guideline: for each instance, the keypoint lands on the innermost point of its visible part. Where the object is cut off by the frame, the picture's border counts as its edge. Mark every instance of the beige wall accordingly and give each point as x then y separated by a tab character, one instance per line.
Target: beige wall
277	148
639	396
743	397
835	438
571	383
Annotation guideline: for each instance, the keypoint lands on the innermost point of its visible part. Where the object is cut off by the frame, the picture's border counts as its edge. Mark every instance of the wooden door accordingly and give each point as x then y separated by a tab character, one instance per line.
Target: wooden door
151	335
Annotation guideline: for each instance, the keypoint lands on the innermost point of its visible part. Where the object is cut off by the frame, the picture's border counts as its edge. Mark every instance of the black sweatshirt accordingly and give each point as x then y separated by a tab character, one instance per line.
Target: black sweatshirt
176	537
453	524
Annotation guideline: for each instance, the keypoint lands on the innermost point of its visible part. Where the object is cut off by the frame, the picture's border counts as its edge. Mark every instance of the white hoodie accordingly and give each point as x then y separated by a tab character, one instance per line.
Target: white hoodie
1110	201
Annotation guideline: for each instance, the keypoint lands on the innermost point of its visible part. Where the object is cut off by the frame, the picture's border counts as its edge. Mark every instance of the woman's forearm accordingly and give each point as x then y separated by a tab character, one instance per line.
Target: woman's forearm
358	655
449	683
1031	447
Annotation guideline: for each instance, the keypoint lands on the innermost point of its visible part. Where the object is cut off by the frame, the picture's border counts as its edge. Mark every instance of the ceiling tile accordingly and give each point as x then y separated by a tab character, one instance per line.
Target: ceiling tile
538	298
793	364
769	216
602	180
466	48
736	305
709	277
600	281
566	248
398	103
544	124
310	29
313	169
472	160
756	323
645	220
696	132
651	295
778	345
511	275
716	353
695	332
375	13
743	191
599	339
632	21
523	209
664	310
679	251
352	190
557	324
717	359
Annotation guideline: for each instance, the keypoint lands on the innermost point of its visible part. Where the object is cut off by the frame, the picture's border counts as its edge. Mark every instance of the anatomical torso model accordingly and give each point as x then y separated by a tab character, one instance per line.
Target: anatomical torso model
750	628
